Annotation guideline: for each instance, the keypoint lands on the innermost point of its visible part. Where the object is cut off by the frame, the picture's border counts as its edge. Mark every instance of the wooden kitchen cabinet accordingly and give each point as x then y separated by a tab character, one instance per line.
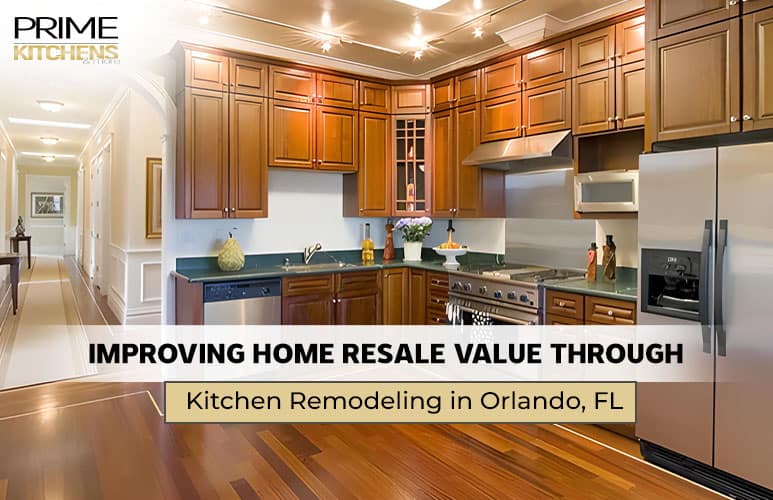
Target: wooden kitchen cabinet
630	88
248	165
329	299
474	197
500	118
410	99
467	88
601	310
248	77
411	160
757	70
593	99
593	51
206	70
437	298
375	97
630	41
502	78
548	108
568	305
291	134
357	298
338	91
369	193
750	6
336	131
669	17
290	84
695	84
547	65
394	296
553	319
417	301
444	179
443	94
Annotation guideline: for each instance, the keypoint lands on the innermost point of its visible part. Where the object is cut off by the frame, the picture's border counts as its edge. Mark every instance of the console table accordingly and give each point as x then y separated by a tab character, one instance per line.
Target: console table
12	259
15	246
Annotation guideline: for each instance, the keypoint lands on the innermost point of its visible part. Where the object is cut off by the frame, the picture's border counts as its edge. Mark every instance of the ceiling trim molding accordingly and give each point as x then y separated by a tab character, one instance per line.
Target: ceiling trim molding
120	95
4	133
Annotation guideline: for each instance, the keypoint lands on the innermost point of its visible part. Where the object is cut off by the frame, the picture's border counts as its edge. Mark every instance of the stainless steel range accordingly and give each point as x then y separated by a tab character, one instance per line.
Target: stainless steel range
504	295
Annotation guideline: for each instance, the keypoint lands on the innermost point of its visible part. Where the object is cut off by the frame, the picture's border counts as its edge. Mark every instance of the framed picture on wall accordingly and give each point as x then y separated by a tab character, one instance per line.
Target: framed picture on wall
47	205
153	198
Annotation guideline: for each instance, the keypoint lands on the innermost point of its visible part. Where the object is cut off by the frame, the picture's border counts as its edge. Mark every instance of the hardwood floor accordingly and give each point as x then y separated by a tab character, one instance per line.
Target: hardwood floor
88	440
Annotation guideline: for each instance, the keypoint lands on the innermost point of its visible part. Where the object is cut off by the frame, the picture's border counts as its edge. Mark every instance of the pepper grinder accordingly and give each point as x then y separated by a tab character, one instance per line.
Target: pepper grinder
593	255
609	262
389	246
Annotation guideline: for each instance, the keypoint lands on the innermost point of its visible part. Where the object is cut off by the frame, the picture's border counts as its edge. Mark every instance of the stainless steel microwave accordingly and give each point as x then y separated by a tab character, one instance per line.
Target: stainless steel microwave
610	191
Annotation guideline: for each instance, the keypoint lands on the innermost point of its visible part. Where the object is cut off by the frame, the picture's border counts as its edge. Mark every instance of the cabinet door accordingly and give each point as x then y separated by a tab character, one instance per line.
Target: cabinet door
417	303
394	296
758	70
552	319
629	88
375	97
357	309
409	99
547	65
500	118
753	5
336	139
206	153
249	77
333	90
291	134
312	309
466	139
248	193
630	41
668	17
501	79
467	88
444	166
548	108
443	94
373	183
292	84
593	51
695	83
206	71
594	102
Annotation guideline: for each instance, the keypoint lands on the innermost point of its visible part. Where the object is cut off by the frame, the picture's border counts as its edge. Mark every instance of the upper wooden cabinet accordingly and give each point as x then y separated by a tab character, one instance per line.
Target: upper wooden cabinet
548	108
248	165
205	70
338	91
547	65
336	139
750	6
501	79
593	51
630	41
375	97
593	98
668	17
695	84
465	139
630	105
444	166
758	70
467	88
369	193
291	134
500	118
291	84
410	99
443	94
249	77
412	162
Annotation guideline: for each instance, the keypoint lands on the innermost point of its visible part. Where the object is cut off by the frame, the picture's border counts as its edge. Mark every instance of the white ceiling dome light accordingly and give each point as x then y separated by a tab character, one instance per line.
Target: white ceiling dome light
49	141
425	4
48	158
50	106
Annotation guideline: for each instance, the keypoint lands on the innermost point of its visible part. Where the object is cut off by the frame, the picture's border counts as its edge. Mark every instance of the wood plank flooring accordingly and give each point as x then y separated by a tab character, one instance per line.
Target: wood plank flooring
87	440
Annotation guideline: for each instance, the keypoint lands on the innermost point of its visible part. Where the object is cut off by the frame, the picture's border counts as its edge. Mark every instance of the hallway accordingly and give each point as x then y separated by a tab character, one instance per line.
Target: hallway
45	341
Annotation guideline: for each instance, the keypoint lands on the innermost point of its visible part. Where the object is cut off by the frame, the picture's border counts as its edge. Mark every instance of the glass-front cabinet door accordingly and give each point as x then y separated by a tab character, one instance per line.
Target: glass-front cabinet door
411	165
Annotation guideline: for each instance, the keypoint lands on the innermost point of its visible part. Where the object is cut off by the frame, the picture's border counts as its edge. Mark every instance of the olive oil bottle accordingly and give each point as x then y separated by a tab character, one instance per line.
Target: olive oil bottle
368	256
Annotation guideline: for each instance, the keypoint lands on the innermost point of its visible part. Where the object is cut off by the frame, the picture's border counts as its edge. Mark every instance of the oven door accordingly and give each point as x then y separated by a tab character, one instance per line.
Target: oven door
616	191
466	311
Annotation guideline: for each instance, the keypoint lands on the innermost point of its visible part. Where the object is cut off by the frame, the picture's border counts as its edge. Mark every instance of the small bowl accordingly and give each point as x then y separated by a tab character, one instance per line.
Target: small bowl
451	254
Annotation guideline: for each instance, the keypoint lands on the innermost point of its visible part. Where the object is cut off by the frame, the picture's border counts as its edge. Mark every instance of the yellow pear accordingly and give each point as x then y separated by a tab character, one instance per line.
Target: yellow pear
231	256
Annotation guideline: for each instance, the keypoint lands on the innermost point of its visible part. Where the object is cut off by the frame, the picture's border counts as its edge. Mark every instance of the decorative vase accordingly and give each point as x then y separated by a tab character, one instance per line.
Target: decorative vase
412	251
389	245
231	257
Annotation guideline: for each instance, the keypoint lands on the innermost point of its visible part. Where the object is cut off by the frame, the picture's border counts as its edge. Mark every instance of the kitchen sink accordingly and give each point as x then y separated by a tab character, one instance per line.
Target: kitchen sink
316	267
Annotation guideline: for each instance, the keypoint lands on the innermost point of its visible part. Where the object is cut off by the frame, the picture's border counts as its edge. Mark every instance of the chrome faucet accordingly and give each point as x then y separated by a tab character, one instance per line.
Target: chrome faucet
309	252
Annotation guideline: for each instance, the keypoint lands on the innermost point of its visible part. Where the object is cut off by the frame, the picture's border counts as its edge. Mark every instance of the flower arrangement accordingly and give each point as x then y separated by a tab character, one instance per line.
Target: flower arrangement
414	229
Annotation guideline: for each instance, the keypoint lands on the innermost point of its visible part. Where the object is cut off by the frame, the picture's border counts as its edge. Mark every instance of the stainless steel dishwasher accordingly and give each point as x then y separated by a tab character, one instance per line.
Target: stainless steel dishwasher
246	302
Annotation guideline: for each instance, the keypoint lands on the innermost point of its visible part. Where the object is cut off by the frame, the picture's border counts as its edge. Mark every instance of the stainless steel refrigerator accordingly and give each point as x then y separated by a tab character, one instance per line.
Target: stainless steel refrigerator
706	259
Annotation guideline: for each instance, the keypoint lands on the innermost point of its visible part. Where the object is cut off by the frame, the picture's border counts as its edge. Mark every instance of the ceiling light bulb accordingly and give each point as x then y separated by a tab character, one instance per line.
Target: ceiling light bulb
478	32
46	123
51	106
417	28
418	54
326	46
48	158
326	22
49	141
425	4
477	4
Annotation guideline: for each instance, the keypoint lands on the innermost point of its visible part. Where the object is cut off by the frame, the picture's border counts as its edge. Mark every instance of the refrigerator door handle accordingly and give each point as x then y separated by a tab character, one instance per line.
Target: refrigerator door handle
703	312
719	316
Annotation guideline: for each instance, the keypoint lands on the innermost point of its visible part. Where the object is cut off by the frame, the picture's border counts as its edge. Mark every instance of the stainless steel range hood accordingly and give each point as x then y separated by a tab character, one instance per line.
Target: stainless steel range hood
542	152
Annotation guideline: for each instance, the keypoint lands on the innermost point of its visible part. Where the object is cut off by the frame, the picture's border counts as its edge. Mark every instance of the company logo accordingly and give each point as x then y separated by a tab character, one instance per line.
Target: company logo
93	40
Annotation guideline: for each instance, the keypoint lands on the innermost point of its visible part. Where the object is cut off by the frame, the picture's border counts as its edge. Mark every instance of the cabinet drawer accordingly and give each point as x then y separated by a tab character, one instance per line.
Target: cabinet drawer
303	285
437	299
564	304
436	316
437	281
358	281
552	319
609	311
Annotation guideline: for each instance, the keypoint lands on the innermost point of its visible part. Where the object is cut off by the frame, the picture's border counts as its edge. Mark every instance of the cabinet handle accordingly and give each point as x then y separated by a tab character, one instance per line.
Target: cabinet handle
732	2
617	118
610	313
362	210
225	210
562	304
733	119
233	210
610	119
747	118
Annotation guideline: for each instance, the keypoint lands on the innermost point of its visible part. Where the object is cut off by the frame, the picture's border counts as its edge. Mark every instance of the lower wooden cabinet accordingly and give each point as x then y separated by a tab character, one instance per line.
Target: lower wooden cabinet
563	308
329	299
417	297
552	319
357	298
437	298
394	296
609	311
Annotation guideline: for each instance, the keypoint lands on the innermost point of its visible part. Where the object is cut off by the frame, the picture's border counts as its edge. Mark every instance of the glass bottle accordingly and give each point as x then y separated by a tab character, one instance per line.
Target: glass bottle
368	256
609	262
593	254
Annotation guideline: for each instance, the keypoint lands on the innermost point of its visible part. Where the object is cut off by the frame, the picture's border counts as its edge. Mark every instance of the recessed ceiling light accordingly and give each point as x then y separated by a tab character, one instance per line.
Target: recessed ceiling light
49	141
43	155
417	28
425	4
326	21
477	32
477	4
418	54
326	45
47	123
48	158
52	106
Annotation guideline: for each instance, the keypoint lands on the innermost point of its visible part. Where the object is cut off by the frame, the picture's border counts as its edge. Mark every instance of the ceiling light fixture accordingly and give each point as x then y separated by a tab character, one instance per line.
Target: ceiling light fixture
47	123
417	55
425	4
326	21
477	32
477	4
49	141
51	106
417	27
48	158
43	155
204	20
326	46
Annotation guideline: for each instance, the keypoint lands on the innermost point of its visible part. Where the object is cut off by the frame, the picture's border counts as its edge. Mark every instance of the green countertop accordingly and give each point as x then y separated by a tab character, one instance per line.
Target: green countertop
623	288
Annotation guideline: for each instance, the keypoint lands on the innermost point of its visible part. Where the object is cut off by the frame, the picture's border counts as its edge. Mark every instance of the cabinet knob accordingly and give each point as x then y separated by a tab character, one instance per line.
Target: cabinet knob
733	119
362	210
732	2
610	119
610	313
617	118
225	210
233	210
747	118
562	304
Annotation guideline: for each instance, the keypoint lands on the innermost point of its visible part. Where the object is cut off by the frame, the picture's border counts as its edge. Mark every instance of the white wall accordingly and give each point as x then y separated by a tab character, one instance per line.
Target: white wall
626	238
